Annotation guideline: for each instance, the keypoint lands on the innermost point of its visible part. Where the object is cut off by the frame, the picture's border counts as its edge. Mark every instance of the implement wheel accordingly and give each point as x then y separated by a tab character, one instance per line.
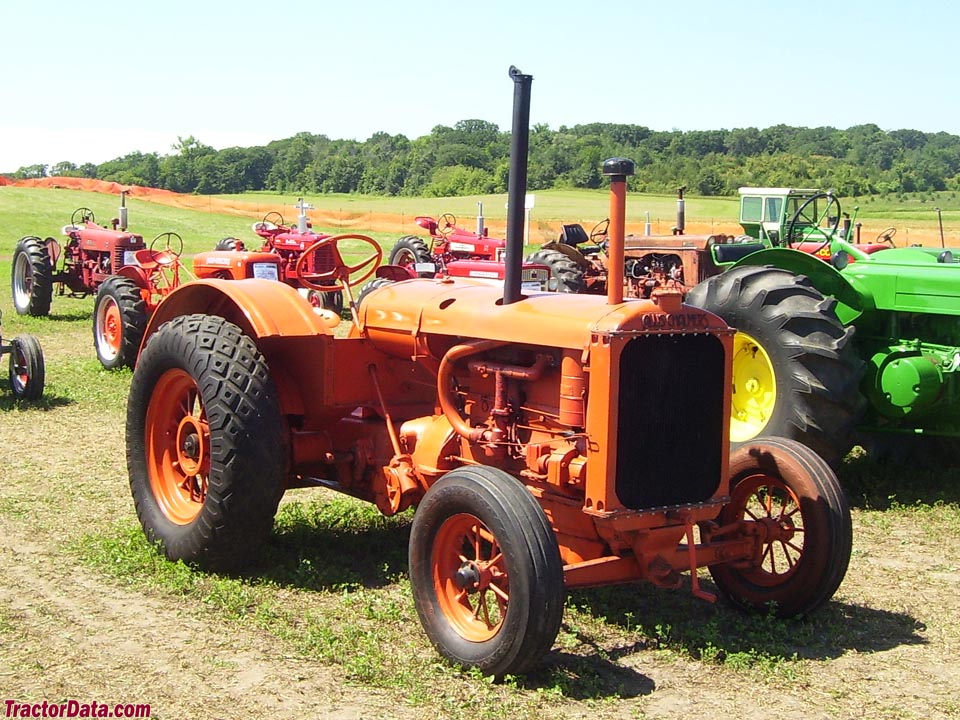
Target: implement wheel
206	445
798	516
486	571
796	373
26	368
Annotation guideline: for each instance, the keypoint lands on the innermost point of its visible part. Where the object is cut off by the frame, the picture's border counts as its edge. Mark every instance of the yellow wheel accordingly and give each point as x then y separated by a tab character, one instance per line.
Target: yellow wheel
754	389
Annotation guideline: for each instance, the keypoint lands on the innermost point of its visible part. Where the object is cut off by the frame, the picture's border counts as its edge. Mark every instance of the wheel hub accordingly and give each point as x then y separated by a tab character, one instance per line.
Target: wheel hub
467	577
190	446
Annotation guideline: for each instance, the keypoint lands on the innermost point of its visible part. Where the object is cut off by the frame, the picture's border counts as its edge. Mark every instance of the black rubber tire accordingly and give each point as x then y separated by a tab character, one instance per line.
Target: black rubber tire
247	447
229	243
409	250
531	560
32	277
371	286
816	367
27	370
333	301
567	277
124	294
821	552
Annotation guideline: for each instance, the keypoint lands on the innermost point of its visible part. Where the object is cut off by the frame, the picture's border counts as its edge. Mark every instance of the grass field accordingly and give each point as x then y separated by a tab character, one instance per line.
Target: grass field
325	626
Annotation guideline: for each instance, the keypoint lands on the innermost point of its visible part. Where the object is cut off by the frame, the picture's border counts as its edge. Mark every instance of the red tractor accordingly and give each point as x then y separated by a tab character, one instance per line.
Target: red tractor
288	244
26	366
128	277
456	252
548	441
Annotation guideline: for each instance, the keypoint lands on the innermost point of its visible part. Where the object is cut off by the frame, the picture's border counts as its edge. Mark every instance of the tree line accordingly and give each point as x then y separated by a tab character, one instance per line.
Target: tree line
472	157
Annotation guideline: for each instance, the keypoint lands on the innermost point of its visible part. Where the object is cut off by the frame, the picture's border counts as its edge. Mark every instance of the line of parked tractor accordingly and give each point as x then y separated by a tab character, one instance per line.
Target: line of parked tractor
796	284
711	382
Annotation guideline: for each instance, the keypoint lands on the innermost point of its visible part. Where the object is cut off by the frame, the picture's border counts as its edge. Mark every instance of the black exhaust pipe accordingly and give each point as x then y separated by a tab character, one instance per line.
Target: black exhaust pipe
517	185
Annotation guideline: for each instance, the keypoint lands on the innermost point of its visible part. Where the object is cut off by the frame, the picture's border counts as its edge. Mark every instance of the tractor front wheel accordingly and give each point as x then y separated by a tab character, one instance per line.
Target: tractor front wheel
796	373
32	277
486	571
791	504
410	251
206	445
565	276
119	319
26	368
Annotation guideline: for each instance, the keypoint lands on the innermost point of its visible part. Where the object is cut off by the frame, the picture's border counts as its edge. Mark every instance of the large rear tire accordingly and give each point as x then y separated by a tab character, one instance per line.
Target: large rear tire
32	277
119	320
805	532
410	250
486	571
206	445
27	370
796	373
565	276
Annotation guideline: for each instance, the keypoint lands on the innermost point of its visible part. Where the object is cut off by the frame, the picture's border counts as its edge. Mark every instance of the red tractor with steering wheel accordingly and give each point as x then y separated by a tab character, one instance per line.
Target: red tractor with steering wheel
128	277
289	244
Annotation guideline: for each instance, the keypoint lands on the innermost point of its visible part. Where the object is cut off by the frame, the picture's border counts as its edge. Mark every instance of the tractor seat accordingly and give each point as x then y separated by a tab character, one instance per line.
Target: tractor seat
263	227
70	229
731	252
573	234
153	259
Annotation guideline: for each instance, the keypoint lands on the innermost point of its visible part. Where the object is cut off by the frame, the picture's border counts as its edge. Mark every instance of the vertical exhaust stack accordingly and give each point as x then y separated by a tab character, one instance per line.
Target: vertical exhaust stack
517	185
123	210
617	169
681	212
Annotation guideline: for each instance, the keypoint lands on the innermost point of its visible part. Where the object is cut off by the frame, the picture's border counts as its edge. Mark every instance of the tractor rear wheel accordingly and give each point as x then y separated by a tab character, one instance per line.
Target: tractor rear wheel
32	277
26	368
410	250
795	371
805	532
486	571
229	243
206	445
119	320
371	286
565	276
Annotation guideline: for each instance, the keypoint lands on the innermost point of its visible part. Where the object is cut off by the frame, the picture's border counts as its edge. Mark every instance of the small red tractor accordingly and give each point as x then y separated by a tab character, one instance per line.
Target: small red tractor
26	366
288	243
456	252
128	277
547	441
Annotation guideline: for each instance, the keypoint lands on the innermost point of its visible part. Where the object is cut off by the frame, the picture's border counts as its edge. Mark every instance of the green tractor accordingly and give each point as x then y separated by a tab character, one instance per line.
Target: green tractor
839	341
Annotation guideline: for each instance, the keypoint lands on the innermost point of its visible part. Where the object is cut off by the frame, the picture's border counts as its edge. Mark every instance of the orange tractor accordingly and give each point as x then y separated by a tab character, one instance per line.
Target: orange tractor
547	440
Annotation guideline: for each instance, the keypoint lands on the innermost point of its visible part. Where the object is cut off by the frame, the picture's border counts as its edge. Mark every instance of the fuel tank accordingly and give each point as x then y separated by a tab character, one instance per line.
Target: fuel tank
402	318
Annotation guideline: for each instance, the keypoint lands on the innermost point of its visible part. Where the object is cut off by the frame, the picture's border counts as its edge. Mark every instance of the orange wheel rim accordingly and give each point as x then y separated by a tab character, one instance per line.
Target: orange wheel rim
776	510
470	578
111	325
178	447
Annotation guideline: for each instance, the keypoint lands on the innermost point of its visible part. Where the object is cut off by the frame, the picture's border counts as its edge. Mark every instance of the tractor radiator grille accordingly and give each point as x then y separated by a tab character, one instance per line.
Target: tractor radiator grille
118	258
670	429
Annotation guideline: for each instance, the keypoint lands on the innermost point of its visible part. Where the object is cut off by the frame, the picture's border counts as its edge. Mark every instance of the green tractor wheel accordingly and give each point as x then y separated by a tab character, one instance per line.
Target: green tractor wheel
795	371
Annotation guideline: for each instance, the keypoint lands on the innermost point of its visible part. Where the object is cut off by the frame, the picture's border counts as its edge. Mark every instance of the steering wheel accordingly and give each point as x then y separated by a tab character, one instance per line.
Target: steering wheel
340	274
598	236
167	242
446	223
84	214
887	236
827	233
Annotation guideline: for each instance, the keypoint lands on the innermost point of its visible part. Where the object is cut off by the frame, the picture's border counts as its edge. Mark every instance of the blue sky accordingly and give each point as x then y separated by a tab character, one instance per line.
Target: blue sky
88	82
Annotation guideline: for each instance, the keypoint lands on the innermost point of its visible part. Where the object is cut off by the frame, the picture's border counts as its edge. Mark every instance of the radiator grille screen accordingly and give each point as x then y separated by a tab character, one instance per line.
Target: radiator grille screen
670	431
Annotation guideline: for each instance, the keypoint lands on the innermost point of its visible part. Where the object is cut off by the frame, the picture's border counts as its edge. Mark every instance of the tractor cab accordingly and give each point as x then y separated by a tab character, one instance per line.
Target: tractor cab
766	213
